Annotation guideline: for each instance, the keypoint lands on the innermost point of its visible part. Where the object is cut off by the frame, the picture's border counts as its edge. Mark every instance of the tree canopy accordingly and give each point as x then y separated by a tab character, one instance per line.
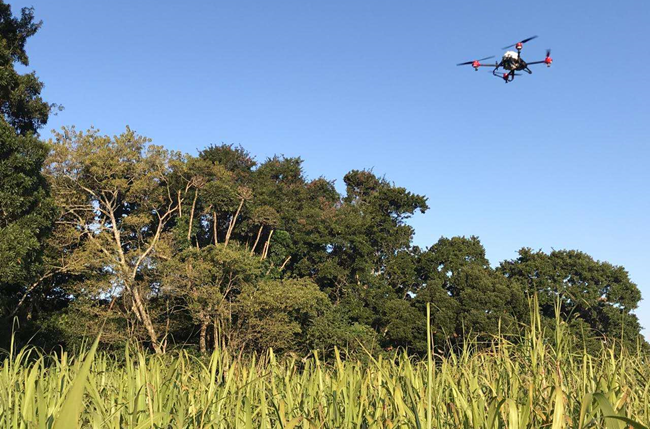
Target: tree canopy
220	249
26	210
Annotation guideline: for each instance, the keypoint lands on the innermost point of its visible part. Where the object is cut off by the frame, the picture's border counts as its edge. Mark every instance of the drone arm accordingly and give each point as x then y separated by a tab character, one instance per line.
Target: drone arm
548	60
494	72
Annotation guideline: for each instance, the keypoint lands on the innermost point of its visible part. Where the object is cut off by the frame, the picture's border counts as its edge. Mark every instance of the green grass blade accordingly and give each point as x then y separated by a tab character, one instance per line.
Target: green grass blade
68	417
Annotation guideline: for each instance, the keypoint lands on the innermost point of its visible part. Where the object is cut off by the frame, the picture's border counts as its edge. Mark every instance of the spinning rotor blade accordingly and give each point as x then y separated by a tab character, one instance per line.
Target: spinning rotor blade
472	62
523	41
548	53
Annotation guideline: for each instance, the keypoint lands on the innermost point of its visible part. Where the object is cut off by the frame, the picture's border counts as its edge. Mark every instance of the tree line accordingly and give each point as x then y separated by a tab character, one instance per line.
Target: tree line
218	249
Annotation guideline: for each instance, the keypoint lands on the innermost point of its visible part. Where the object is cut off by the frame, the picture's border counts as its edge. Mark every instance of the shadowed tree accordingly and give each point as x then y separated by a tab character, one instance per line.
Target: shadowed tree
467	296
368	235
592	293
234	159
26	215
21	103
26	210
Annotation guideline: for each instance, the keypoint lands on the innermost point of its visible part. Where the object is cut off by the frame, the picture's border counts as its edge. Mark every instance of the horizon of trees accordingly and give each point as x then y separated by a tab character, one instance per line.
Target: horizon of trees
220	250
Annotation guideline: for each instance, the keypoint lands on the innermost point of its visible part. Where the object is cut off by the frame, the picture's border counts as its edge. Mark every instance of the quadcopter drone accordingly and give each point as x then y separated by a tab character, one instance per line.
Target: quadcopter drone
511	62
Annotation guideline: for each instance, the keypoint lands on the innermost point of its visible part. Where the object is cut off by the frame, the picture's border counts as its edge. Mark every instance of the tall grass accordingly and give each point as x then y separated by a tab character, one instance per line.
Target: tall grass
534	383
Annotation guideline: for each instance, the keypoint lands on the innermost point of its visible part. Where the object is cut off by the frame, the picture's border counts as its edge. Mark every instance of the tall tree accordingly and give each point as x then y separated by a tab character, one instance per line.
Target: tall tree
20	94
26	214
468	297
118	196
26	211
369	232
594	295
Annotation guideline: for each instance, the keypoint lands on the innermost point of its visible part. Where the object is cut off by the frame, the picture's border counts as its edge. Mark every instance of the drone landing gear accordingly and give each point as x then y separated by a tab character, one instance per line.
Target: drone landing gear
509	76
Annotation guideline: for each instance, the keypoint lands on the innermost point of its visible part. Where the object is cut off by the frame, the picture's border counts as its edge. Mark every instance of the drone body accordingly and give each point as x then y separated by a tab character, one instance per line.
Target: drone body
511	62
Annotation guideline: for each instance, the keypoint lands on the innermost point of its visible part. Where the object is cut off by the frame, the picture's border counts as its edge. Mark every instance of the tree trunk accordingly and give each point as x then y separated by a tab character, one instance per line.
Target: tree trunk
203	337
232	222
265	251
259	233
285	262
137	299
214	227
189	228
146	320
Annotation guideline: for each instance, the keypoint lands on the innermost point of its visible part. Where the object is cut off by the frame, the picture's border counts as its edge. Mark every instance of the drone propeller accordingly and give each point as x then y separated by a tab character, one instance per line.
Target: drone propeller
548	60
474	61
520	43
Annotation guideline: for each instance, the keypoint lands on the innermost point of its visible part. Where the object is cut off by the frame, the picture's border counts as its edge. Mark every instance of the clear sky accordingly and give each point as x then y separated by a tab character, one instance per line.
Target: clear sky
554	160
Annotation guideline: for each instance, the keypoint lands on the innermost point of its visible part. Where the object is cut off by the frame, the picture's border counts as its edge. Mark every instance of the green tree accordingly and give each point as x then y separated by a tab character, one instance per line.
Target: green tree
20	94
370	242
237	160
26	214
373	223
163	245
279	313
592	294
117	196
209	280
26	210
467	296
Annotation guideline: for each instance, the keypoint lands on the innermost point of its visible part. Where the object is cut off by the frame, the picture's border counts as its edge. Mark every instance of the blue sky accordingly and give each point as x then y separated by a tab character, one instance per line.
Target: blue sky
556	160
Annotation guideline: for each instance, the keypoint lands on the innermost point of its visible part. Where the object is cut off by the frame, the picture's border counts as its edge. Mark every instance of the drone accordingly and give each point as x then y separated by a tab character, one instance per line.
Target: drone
511	62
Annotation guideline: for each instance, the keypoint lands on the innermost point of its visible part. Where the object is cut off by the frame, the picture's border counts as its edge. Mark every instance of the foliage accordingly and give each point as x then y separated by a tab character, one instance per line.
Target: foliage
209	280
26	210
597	297
21	104
467	294
528	384
171	248
277	313
115	196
